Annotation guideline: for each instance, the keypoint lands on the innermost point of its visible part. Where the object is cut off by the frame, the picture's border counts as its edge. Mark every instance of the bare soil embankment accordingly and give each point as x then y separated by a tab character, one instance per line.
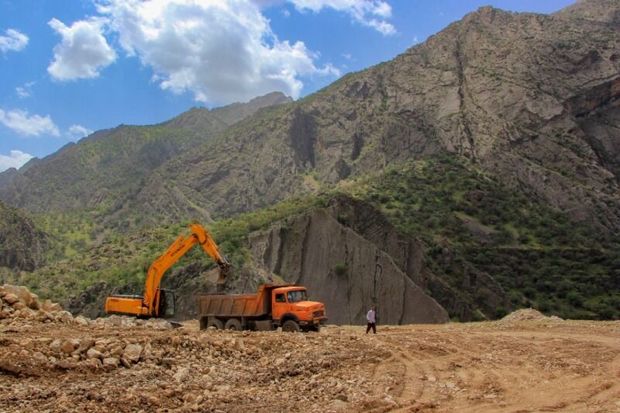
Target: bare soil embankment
524	363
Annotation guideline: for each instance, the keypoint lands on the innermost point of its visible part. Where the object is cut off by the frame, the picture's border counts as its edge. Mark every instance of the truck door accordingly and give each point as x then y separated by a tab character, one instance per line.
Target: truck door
279	305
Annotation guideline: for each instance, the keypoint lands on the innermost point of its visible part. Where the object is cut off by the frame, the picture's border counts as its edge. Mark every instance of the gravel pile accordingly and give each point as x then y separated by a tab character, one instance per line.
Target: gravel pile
527	314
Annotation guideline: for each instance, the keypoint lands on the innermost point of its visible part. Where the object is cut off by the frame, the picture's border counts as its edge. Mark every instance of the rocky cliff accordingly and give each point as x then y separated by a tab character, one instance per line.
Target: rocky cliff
532	98
409	254
344	270
22	245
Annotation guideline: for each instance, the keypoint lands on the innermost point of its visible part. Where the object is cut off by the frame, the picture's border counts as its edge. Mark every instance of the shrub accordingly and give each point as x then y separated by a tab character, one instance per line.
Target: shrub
341	269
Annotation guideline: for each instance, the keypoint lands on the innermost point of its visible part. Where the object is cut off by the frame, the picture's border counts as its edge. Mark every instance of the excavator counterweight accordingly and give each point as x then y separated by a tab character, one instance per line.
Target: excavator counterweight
158	302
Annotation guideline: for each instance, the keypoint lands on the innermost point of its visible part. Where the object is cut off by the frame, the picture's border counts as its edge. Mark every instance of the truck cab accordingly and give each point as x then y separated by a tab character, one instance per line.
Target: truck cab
291	309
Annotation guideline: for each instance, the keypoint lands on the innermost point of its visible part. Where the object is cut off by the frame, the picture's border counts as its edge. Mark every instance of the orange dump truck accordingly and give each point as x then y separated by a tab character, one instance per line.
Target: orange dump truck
272	306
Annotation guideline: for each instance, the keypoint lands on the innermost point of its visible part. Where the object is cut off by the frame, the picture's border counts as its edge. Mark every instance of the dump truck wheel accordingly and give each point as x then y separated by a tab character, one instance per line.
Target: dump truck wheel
233	324
214	322
290	326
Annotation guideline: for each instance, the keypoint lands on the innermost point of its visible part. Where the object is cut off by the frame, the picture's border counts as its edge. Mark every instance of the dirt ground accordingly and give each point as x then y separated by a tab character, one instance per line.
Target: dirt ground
504	366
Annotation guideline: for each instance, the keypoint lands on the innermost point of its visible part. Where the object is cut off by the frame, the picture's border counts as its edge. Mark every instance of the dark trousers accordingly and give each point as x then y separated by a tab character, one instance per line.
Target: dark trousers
373	326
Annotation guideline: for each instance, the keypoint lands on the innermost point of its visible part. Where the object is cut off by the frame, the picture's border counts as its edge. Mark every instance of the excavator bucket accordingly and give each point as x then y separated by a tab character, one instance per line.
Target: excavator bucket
221	280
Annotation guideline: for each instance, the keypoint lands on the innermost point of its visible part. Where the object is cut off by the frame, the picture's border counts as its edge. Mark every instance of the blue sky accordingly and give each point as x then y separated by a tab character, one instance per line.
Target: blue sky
72	67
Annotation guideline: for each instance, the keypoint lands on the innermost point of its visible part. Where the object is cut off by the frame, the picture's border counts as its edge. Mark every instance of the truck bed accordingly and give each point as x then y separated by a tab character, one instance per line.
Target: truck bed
237	305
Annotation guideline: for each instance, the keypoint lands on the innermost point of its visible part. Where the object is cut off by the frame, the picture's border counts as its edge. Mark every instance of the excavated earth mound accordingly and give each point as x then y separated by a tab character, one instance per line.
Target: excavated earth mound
122	365
528	314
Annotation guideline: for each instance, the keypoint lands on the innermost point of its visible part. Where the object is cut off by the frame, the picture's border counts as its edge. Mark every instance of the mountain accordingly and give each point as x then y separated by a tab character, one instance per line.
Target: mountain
531	98
480	168
598	10
99	172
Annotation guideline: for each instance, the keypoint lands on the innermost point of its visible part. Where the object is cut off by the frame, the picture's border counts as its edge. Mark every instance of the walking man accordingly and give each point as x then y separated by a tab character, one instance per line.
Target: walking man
371	317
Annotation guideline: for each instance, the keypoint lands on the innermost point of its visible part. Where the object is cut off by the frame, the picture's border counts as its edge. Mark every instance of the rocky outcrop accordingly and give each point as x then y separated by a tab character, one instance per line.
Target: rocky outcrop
344	270
409	255
22	245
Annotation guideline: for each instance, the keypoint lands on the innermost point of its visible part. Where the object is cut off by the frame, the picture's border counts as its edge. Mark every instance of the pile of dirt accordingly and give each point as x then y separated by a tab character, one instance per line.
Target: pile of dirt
129	322
452	367
125	365
18	302
78	351
528	314
128	368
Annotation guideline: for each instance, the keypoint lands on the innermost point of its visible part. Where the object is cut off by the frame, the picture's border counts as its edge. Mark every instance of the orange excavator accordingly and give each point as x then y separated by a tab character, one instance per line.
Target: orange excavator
158	302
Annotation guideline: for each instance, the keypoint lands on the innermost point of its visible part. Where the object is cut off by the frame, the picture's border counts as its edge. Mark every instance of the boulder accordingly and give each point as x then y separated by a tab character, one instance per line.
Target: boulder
81	320
159	324
85	344
181	375
132	352
66	364
23	294
49	306
10	298
94	354
40	357
55	345
93	363
64	317
110	362
69	346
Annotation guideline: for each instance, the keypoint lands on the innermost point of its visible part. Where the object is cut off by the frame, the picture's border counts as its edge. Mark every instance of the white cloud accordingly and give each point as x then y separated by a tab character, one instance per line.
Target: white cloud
13	41
25	90
24	124
371	13
263	4
15	159
220	50
22	92
78	131
82	52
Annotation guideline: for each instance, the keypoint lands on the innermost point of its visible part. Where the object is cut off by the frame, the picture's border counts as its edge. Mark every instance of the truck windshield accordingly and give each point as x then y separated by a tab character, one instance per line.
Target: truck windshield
296	296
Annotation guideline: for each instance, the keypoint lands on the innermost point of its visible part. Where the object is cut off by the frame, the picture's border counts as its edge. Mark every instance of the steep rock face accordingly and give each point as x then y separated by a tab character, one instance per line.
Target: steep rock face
408	254
596	10
338	267
22	246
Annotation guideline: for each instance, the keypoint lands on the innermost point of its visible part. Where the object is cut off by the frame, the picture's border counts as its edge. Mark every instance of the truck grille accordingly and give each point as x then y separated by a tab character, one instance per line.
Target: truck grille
318	313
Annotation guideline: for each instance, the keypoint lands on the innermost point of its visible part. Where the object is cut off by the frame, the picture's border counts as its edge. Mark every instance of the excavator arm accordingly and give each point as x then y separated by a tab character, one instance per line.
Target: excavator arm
149	304
198	235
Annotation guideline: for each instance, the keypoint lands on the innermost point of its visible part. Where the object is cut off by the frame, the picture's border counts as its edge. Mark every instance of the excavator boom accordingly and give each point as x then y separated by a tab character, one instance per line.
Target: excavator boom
153	302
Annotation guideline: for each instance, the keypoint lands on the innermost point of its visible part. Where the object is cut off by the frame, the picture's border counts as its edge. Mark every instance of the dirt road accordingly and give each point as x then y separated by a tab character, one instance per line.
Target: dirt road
518	366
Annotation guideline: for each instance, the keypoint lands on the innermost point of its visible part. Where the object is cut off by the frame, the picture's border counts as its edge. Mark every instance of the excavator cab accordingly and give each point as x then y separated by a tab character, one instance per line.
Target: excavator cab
167	303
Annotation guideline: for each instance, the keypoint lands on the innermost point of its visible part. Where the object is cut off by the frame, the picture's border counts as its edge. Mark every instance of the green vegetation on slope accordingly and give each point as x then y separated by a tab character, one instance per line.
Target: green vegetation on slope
83	253
22	243
539	257
537	254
